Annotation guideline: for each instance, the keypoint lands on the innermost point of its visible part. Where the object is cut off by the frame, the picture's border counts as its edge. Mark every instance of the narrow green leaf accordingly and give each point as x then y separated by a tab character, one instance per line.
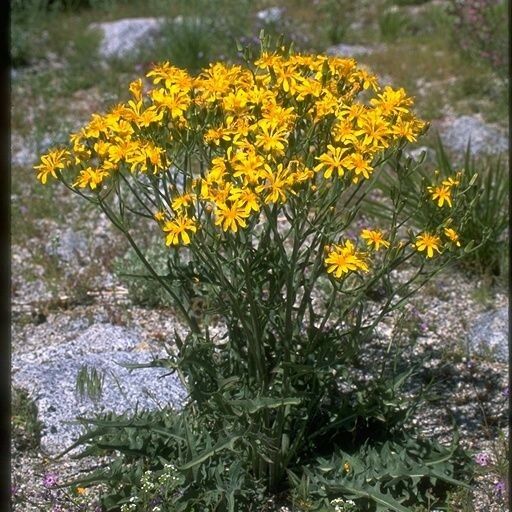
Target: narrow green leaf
253	405
229	444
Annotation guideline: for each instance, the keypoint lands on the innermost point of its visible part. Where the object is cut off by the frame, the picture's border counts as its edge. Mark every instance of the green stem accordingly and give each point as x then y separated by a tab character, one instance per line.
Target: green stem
192	323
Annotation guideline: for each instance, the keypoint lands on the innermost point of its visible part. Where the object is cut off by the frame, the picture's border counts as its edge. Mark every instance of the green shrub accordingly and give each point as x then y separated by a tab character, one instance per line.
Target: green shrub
255	177
393	24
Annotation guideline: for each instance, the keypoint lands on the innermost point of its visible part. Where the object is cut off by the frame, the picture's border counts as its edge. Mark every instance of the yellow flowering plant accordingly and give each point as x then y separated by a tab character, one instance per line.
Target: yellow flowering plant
255	176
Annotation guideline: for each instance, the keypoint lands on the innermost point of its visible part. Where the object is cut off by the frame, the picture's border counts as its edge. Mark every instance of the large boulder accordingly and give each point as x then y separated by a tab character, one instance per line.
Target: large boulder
50	374
485	138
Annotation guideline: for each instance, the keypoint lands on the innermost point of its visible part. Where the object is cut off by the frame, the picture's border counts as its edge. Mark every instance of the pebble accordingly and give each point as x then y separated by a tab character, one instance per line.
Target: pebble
69	246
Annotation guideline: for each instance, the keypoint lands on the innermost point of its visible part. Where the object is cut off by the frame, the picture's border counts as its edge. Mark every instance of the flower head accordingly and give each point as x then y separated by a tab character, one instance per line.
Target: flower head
342	259
482	459
231	216
441	194
178	229
429	243
374	238
50	480
452	235
500	487
51	163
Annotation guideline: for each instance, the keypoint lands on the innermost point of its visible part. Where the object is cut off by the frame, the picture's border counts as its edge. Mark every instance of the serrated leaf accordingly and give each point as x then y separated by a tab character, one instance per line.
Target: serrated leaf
378	497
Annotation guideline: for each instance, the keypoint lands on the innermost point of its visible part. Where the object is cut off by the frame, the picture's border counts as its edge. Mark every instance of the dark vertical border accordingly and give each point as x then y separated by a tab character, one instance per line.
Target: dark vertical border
5	259
509	415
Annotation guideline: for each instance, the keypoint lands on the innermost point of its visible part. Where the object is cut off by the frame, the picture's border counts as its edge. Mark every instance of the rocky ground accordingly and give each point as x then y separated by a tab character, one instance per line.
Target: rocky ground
47	355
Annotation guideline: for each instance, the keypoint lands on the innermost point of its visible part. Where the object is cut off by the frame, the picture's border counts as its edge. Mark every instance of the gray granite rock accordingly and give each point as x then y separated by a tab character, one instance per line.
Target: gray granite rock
485	138
121	37
350	50
270	15
418	152
489	335
68	246
49	375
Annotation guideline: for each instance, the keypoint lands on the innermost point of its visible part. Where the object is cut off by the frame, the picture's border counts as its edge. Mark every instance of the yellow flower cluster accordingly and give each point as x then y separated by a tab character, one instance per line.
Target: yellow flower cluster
442	193
430	242
344	258
242	139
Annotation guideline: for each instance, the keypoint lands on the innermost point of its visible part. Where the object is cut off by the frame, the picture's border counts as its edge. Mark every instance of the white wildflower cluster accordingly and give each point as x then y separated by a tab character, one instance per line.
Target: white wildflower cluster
147	481
131	506
341	505
170	476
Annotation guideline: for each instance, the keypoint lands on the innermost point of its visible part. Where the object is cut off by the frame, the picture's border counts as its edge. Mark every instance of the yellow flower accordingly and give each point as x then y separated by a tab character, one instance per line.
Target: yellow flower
452	235
148	116
268	60
217	135
342	259
271	137
428	242
248	165
90	177
136	89
405	129
176	103
332	161
97	125
374	237
182	202
392	101
246	197
343	131
374	128
441	194
360	165
450	182
235	101
276	183
50	163
121	149
177	229
232	216
159	216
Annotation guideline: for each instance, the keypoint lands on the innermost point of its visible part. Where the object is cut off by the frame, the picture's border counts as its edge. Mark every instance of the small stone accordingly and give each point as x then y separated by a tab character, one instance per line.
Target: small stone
69	247
121	37
270	15
350	50
489	335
